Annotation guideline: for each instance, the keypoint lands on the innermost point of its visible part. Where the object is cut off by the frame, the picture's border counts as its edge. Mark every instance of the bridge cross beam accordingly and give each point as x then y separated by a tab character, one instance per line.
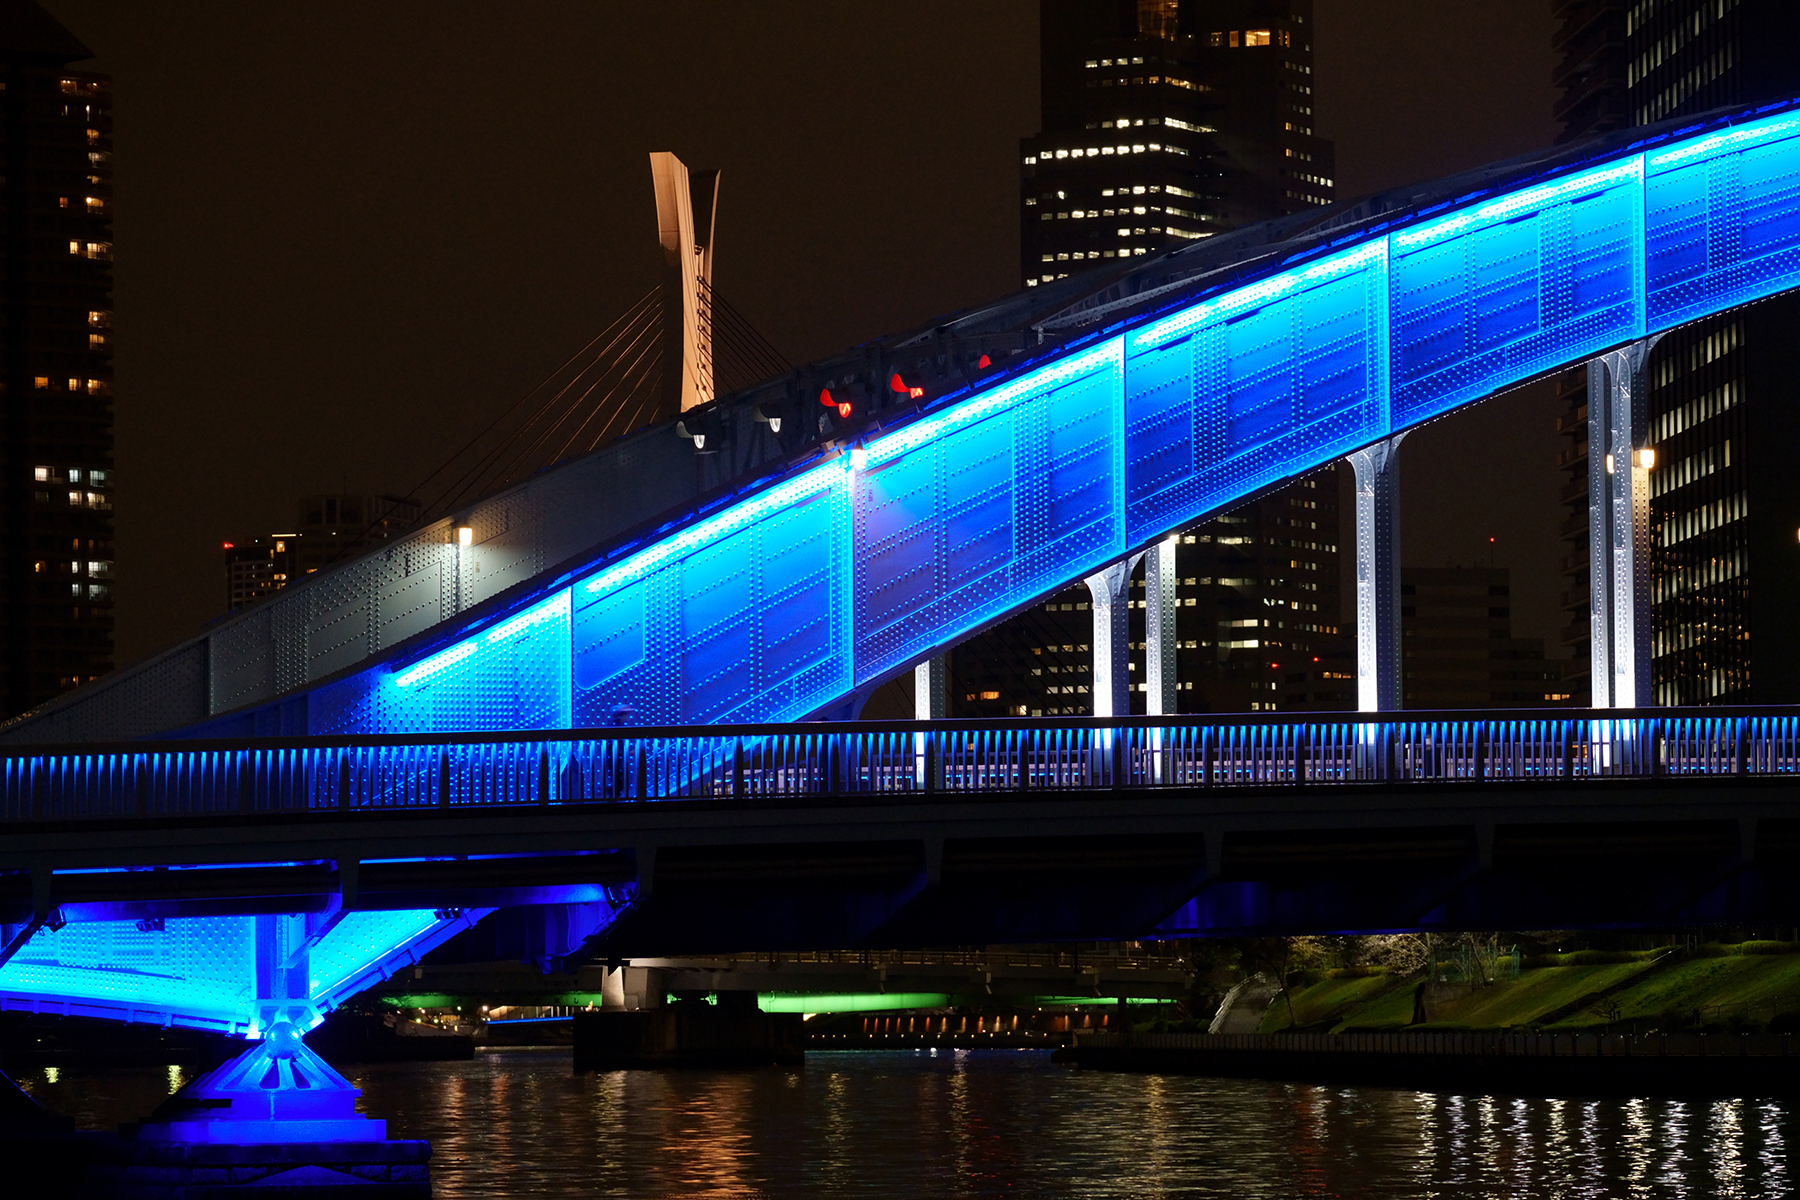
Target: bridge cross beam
1619	462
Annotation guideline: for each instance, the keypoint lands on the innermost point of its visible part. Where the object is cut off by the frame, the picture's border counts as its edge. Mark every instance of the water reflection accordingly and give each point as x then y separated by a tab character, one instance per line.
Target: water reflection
997	1123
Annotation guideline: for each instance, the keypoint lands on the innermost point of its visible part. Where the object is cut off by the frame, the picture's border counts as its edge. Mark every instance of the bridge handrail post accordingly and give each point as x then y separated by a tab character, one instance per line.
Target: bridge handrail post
1389	751
1568	749
1302	753
1478	765
1741	754
343	778
543	777
140	771
737	768
932	753
443	777
236	782
1119	734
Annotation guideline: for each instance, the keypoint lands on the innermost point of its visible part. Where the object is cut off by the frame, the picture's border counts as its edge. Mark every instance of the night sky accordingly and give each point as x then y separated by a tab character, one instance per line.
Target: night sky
347	233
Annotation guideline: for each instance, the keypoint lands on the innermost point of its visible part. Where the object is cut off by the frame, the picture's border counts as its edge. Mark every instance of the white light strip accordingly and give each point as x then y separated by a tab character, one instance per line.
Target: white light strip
1521	202
435	663
903	441
739	515
1253	295
1741	138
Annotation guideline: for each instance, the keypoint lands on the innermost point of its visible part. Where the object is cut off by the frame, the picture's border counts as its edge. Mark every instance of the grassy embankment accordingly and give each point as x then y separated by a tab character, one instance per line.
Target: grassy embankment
1711	987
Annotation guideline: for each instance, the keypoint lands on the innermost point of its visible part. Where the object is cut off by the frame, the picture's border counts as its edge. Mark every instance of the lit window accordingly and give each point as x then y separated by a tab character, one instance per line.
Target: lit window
42	474
98	387
75	498
95	204
1256	37
74	474
74	385
96	341
74	247
42	381
990	695
101	319
97	478
93	136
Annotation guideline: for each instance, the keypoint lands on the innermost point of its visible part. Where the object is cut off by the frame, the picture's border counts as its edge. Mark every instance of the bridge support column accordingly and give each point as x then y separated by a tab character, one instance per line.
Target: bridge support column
931	689
1159	627
1379	682
1619	527
1110	687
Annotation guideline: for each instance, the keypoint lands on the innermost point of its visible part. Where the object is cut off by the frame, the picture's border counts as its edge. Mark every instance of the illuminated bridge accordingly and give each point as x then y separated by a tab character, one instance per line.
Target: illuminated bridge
775	556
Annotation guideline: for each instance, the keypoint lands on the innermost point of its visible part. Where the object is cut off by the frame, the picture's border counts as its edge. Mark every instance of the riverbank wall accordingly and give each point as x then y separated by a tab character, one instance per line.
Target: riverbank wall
1546	1064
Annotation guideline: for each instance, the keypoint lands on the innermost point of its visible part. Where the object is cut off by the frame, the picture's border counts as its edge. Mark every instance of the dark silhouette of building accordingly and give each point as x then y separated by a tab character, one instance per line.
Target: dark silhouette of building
326	528
1723	410
1456	626
56	526
1167	121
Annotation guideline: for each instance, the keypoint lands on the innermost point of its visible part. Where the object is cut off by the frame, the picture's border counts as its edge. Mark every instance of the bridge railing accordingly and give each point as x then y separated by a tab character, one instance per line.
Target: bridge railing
947	758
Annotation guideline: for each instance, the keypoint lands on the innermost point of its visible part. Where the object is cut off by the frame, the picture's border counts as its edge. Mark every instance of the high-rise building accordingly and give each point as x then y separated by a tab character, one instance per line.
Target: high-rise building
1724	412
1456	626
326	528
56	527
1167	121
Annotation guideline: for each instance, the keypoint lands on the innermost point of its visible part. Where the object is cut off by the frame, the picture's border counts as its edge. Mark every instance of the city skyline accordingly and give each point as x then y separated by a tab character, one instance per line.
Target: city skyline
225	350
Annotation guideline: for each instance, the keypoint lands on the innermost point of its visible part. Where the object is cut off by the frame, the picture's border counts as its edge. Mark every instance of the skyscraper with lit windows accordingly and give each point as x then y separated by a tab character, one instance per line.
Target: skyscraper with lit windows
1724	402
56	449
1165	122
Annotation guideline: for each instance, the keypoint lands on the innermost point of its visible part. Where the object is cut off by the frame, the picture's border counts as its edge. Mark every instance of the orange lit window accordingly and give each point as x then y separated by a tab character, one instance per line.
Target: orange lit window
990	695
100	320
99	387
1256	37
74	385
95	204
42	381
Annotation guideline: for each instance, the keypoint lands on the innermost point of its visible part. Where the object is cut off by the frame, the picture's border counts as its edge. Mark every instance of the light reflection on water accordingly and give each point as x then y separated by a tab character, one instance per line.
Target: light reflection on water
518	1122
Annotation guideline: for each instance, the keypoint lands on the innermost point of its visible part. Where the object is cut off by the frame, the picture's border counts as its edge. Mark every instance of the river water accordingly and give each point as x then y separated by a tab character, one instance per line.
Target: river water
1011	1123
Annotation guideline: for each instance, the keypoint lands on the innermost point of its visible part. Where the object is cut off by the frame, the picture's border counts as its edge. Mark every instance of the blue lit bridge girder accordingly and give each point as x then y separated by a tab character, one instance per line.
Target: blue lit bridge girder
851	570
1146	409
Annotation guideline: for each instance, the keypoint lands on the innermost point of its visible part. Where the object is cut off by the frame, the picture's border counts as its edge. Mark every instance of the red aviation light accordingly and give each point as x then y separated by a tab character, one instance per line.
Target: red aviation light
899	385
984	363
